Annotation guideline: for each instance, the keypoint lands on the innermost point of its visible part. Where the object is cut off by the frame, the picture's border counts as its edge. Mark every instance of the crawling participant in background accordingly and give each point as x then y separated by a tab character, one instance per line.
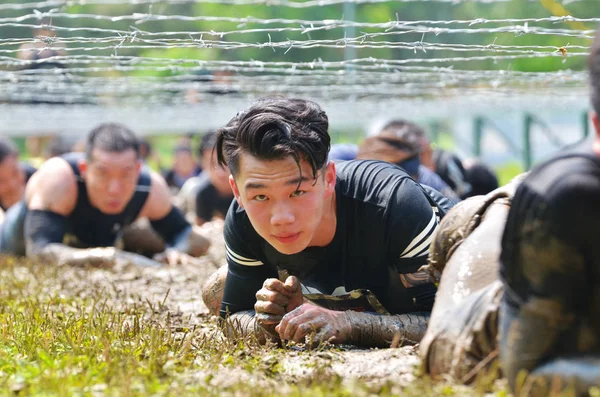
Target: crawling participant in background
77	206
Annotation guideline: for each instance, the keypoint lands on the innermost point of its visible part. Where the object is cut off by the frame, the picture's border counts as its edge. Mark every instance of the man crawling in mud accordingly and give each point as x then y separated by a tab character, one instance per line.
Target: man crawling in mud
542	315
305	235
76	206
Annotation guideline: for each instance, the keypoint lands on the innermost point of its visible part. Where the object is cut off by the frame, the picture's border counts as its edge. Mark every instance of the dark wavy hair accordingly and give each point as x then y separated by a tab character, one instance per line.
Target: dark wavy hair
594	66
274	128
111	137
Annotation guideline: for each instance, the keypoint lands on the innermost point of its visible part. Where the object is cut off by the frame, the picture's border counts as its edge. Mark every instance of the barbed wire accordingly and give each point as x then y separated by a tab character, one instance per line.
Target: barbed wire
371	63
420	46
197	36
282	3
102	61
272	3
139	18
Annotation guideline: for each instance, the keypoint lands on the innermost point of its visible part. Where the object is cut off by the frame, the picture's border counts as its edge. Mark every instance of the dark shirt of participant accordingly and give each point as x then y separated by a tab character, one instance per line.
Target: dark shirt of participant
385	222
550	262
481	177
450	168
427	177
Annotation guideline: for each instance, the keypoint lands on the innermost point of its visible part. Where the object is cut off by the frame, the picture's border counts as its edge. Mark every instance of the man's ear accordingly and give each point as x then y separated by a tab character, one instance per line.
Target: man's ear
330	177
235	190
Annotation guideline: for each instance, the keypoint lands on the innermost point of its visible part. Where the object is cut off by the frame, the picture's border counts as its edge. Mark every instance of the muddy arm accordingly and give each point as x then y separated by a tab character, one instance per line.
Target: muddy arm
99	257
366	329
374	330
549	260
528	334
243	325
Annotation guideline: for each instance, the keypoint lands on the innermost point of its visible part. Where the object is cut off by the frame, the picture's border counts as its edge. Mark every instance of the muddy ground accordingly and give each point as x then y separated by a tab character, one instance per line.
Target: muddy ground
175	292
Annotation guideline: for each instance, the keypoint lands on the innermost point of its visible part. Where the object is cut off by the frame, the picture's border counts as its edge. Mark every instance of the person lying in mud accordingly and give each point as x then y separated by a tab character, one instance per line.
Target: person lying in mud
305	235
13	175
461	337
79	202
541	315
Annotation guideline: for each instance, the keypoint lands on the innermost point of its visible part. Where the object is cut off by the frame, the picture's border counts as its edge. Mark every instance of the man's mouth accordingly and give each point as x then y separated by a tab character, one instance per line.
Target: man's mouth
114	204
286	238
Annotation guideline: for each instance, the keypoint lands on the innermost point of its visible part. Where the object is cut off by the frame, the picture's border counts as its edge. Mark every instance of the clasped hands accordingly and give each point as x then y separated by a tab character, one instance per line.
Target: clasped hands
281	307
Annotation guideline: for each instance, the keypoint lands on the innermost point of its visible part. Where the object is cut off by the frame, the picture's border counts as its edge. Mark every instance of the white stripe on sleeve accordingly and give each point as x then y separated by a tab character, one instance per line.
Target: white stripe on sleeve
422	240
240	260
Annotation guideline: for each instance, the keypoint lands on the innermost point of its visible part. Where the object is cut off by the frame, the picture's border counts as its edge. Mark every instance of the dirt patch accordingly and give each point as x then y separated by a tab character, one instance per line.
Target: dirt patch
175	295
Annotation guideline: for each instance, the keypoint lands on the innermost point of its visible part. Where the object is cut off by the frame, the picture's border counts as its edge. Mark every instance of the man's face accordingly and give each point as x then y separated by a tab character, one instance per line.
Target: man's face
284	210
184	163
12	179
111	179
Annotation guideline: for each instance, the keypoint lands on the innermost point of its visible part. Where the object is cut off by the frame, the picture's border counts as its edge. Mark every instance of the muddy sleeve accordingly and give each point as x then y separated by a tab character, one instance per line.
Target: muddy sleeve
247	269
548	264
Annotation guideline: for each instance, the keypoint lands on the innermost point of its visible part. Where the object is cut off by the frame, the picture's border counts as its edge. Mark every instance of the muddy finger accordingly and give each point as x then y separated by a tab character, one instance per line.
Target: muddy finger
266	307
272	296
273	284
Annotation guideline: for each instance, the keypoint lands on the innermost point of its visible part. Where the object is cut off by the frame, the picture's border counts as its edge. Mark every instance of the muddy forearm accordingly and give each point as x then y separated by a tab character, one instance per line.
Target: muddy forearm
529	334
374	330
98	257
65	255
243	324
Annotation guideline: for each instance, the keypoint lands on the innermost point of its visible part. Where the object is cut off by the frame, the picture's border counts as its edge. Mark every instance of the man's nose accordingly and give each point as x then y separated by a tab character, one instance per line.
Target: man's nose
114	186
282	214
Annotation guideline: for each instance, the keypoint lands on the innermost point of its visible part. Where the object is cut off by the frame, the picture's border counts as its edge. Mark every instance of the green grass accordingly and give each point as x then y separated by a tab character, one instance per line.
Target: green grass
508	171
61	334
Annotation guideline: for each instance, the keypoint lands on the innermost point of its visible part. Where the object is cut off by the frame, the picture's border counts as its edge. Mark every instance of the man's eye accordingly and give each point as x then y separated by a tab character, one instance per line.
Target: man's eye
260	197
298	193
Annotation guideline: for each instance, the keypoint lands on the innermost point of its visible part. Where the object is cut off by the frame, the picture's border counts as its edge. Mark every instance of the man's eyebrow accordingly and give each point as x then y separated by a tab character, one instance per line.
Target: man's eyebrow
295	181
255	185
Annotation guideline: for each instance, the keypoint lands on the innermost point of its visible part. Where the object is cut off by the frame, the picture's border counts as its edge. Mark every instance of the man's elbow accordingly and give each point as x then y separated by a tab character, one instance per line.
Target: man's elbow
238	325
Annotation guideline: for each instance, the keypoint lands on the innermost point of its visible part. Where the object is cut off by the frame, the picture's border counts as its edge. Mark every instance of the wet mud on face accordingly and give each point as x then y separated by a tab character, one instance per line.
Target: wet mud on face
174	295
